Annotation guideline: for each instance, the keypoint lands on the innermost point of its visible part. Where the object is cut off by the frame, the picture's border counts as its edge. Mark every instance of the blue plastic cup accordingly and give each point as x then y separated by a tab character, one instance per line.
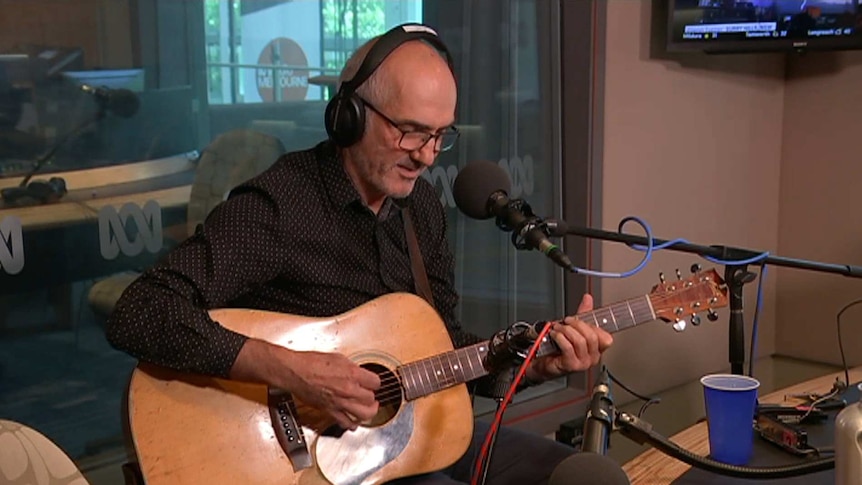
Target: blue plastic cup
730	401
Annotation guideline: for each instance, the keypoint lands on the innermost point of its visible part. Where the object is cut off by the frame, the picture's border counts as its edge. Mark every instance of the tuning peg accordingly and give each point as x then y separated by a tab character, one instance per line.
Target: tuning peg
679	326
695	320
678	274
661	277
695	268
711	315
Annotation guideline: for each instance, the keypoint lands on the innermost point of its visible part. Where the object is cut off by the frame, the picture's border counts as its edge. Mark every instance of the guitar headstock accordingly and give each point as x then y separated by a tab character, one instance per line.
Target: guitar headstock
674	301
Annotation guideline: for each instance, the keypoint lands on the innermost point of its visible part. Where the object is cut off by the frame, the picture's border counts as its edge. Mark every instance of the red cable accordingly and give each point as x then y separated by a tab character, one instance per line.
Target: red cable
498	417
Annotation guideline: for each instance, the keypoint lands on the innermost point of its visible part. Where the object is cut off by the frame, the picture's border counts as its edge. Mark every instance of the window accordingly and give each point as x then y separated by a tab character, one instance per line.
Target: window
296	43
107	107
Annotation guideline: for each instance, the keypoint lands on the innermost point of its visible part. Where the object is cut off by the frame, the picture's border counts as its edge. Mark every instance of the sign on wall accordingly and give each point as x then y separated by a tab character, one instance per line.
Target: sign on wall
282	83
12	246
144	231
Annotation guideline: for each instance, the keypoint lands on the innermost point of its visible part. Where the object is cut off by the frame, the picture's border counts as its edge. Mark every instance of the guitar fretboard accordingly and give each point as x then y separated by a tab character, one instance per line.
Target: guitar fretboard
427	376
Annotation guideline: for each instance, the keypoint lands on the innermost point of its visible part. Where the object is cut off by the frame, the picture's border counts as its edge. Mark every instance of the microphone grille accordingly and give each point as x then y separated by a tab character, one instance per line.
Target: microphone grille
475	184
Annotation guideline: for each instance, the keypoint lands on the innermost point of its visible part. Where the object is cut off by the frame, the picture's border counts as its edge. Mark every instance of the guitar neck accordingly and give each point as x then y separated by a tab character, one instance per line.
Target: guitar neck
448	369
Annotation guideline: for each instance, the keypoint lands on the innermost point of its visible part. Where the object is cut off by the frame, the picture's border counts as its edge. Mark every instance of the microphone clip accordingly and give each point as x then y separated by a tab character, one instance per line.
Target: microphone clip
511	345
599	420
530	222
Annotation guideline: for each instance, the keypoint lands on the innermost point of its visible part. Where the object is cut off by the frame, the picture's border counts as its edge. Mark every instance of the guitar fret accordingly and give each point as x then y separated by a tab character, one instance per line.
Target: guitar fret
637	310
438	372
427	385
629	307
418	383
614	319
458	369
481	351
470	361
609	317
408	379
448	371
419	386
432	374
622	315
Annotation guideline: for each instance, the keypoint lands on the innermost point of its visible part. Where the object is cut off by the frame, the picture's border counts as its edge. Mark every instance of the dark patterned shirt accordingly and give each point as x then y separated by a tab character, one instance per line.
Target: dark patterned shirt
296	239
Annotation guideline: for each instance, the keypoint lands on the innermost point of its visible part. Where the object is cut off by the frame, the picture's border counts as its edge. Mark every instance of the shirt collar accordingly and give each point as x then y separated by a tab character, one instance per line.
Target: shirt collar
339	187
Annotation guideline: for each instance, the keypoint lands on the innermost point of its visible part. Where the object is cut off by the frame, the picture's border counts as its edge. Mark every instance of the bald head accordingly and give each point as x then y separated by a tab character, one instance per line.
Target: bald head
415	70
412	58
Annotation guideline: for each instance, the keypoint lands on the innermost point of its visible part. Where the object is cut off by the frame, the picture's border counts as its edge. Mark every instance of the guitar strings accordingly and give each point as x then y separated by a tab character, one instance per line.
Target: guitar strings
391	387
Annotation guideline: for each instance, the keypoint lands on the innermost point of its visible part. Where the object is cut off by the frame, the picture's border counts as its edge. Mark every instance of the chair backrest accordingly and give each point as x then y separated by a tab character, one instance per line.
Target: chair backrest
28	457
230	159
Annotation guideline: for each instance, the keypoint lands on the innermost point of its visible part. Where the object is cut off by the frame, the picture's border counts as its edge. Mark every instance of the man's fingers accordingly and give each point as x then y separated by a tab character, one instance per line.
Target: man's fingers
586	304
361	412
367	379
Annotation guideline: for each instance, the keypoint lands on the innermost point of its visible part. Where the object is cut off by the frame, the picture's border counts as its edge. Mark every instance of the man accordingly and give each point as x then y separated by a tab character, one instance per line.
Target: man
322	232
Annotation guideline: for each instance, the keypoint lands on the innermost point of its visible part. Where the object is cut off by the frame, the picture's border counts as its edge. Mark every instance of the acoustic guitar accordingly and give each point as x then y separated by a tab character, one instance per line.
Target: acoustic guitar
191	429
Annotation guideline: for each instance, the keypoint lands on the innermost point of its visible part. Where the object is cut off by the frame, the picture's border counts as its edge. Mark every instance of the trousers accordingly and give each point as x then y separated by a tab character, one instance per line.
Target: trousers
518	458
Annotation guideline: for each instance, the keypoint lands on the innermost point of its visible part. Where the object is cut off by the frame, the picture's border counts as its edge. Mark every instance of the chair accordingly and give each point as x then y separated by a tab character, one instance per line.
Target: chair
29	457
230	159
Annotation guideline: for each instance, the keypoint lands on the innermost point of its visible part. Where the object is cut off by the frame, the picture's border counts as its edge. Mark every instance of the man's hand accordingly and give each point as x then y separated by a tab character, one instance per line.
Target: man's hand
329	382
581	346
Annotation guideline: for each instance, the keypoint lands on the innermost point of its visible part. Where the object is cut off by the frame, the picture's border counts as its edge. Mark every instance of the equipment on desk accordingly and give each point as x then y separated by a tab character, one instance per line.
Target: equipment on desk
36	192
641	432
783	419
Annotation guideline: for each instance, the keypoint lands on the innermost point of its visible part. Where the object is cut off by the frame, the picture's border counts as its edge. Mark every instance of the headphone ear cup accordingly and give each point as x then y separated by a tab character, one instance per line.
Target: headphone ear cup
344	119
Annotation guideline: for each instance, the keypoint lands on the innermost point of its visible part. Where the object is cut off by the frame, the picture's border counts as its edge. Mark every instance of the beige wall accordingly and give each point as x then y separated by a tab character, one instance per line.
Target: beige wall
694	149
820	215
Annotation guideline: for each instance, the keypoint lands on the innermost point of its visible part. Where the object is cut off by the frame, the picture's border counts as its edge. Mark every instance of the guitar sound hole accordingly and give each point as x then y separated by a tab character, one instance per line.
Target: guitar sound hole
389	395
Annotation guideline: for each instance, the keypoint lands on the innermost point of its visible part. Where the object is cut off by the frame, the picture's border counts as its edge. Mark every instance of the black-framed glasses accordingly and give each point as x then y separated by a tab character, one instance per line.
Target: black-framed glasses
415	140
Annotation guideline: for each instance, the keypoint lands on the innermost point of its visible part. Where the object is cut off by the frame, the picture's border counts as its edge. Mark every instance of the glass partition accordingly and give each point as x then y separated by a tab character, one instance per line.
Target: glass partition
107	111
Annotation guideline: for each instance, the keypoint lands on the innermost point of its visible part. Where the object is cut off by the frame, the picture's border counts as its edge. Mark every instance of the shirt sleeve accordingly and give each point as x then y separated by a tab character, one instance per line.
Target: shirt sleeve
163	318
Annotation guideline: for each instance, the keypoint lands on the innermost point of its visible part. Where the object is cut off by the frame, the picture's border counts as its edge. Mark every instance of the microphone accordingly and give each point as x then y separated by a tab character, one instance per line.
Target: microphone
588	469
599	418
121	102
481	191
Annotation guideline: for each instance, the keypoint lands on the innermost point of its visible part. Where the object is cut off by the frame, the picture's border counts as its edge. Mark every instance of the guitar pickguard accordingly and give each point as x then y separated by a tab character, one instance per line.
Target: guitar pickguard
356	455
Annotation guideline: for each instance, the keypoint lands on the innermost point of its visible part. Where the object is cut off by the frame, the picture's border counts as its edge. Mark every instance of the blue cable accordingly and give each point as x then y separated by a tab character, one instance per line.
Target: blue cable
651	246
644	261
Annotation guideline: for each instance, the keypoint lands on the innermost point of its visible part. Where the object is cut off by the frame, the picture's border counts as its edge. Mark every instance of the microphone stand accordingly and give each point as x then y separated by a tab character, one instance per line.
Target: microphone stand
640	431
10	195
736	275
77	129
599	419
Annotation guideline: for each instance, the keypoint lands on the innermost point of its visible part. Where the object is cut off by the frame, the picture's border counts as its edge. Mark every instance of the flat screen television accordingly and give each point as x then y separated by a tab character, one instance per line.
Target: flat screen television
728	26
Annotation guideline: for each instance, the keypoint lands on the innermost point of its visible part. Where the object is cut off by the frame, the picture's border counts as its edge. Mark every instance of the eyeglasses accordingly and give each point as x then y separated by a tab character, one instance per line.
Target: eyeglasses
415	140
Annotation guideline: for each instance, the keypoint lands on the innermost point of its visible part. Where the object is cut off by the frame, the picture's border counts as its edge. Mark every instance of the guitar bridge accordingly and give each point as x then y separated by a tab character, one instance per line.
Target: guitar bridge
282	413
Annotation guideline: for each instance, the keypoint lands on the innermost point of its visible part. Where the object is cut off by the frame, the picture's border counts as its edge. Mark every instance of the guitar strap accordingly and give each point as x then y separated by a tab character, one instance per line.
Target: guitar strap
420	277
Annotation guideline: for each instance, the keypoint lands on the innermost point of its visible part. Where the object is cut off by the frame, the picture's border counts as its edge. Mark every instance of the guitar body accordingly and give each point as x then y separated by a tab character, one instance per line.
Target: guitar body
189	429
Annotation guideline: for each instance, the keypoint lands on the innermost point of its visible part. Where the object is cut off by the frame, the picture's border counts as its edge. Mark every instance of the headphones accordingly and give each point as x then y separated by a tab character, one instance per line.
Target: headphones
345	113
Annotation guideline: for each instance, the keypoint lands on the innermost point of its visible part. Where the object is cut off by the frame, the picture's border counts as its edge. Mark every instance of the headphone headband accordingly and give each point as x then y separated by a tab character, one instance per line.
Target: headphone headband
345	113
386	44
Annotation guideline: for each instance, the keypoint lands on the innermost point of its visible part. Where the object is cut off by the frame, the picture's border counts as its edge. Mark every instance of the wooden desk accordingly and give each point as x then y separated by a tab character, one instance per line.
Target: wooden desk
167	181
653	467
67	213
